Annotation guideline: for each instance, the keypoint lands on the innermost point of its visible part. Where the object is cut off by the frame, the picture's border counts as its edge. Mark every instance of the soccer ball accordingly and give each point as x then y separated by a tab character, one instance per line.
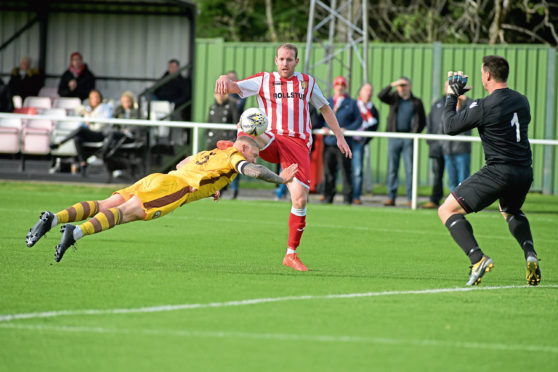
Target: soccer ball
253	121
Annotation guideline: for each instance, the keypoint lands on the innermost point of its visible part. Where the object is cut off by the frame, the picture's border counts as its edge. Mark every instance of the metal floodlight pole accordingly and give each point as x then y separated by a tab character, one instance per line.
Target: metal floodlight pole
323	15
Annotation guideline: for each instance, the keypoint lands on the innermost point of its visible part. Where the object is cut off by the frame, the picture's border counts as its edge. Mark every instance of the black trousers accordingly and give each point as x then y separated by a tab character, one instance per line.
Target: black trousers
81	135
438	165
333	161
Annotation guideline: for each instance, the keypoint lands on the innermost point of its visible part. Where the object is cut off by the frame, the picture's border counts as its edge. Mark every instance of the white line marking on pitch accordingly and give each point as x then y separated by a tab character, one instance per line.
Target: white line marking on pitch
254	301
285	337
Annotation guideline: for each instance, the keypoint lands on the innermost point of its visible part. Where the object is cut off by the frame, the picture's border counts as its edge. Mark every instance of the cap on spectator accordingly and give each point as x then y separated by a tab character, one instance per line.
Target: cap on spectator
76	54
340	80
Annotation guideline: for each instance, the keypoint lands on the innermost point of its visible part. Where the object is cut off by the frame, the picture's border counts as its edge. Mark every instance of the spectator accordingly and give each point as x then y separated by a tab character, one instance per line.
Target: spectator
128	109
5	100
25	81
370	120
223	111
176	90
89	131
457	155
437	150
77	80
239	101
348	115
406	115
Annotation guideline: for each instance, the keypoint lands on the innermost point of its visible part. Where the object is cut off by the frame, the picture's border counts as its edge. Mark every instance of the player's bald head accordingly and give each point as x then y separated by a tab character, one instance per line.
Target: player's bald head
289	47
247	140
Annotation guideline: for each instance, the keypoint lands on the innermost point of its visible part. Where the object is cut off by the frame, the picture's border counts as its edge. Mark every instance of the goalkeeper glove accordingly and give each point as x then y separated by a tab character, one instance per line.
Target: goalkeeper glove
457	84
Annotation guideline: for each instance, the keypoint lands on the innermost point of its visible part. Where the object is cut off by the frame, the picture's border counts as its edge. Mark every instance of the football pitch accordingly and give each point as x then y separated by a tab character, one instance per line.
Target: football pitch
203	289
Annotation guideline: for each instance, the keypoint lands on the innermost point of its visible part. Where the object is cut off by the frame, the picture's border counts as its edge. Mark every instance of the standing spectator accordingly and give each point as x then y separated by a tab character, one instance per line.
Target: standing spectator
223	111
5	100
348	116
77	80
435	152
457	156
406	115
176	90
25	81
370	120
239	101
502	119
89	131
285	95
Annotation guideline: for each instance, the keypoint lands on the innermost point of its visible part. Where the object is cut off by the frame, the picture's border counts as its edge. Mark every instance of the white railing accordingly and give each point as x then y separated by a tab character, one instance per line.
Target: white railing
197	125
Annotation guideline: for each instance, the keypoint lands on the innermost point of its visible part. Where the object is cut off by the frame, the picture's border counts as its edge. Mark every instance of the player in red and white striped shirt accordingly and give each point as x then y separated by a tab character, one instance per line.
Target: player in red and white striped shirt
285	96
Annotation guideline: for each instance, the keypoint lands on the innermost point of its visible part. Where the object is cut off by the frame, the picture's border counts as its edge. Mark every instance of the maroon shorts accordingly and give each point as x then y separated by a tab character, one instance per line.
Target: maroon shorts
289	150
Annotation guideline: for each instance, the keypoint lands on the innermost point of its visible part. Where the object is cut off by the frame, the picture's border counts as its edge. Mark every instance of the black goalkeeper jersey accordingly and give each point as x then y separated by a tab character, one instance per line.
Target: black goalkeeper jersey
502	119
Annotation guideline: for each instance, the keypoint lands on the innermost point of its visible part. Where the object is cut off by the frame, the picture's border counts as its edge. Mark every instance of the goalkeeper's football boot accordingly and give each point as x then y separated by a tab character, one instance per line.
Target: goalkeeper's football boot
533	270
66	241
292	260
41	228
477	270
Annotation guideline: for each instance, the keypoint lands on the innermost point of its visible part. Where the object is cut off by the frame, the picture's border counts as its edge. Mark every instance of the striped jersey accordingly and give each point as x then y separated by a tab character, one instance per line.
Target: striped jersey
285	101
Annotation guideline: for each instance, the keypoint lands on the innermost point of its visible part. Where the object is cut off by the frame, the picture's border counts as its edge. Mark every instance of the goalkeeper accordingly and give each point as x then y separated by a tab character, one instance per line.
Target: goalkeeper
502	119
196	177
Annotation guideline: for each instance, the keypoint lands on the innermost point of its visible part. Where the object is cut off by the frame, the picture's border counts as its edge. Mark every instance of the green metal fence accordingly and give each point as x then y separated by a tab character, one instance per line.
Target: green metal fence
533	73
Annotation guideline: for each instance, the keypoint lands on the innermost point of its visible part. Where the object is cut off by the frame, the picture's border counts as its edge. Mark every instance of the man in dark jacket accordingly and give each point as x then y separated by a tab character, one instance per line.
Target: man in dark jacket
406	115
77	80
25	81
349	118
176	90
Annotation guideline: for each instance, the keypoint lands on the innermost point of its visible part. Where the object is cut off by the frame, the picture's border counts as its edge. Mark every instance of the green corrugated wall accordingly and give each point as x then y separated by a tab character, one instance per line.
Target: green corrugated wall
528	75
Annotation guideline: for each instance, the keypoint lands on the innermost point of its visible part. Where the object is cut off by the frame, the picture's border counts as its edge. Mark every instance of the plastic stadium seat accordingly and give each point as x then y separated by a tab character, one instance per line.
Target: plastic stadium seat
50	92
36	137
67	103
10	130
160	109
17	101
61	130
38	102
26	110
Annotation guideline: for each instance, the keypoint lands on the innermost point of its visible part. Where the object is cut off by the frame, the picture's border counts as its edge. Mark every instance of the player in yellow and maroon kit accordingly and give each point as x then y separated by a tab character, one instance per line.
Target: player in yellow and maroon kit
196	177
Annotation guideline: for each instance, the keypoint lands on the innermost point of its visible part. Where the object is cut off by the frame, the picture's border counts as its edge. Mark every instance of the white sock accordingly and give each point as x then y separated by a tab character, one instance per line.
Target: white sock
77	233
54	222
291	251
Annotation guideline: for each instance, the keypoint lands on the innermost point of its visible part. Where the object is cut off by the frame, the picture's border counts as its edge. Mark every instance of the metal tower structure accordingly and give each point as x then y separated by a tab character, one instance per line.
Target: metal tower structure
346	15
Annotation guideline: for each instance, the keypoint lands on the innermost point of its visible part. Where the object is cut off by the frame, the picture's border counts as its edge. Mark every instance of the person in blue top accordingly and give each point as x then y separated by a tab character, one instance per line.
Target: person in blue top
348	115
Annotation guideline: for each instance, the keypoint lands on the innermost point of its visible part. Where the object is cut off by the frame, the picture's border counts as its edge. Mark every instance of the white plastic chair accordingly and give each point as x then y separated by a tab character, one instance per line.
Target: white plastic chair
160	109
67	103
17	101
37	102
10	130
50	92
36	137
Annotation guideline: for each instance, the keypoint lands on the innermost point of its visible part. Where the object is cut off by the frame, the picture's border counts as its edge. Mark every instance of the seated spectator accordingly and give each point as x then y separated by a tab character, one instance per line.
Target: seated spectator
77	80
118	135
89	131
176	90
25	81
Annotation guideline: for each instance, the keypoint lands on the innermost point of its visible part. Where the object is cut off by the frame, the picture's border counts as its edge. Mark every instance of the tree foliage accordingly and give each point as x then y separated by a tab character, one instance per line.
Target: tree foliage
419	21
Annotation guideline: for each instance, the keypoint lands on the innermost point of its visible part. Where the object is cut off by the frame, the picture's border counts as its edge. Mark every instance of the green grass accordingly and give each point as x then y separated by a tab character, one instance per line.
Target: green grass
214	253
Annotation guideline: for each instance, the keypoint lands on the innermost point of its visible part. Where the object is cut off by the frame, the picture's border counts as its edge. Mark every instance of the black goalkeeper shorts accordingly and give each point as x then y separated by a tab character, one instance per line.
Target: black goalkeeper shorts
506	183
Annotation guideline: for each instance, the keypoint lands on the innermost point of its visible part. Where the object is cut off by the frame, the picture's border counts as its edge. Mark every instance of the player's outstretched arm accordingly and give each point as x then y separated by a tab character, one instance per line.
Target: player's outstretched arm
260	172
224	85
331	120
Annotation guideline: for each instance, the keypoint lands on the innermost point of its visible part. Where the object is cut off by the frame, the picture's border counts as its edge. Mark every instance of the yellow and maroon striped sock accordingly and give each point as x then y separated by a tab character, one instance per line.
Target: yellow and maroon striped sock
102	221
78	212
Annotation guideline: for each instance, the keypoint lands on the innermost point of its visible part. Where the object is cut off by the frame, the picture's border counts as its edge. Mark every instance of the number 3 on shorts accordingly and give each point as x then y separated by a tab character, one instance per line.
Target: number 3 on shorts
515	123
